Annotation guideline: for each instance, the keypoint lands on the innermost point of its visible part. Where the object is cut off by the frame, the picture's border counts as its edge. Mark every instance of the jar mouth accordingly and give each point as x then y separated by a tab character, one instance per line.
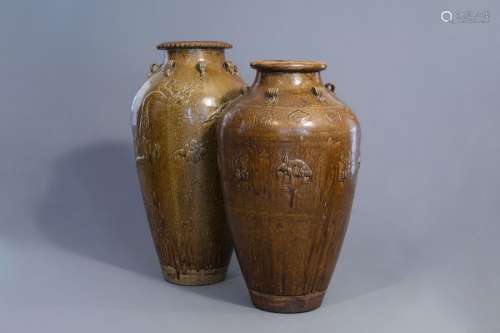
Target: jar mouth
194	44
288	65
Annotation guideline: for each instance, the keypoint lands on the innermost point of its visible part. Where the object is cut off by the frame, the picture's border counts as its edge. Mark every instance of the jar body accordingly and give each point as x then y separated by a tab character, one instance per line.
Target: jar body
174	120
288	157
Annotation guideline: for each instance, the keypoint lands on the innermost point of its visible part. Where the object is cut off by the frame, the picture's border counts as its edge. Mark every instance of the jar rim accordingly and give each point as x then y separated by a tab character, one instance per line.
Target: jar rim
194	44
288	65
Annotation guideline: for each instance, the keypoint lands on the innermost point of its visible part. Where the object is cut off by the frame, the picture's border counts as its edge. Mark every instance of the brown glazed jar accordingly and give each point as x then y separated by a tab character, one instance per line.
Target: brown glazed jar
174	127
288	153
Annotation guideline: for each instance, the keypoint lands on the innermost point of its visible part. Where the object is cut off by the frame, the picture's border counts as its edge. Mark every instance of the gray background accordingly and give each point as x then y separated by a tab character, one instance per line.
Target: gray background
421	254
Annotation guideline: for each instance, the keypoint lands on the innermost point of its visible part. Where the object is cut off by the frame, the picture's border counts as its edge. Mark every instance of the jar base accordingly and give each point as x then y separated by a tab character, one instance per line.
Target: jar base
286	304
193	277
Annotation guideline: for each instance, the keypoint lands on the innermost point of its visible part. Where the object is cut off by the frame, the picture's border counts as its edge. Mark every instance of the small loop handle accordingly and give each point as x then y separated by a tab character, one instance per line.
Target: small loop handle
330	86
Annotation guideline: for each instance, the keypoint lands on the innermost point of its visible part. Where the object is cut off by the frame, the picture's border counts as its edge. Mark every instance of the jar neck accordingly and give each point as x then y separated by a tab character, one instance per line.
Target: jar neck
193	56
287	80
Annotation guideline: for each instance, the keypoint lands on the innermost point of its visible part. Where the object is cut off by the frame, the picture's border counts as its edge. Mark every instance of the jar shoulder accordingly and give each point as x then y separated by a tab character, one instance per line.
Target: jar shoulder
173	86
302	115
180	91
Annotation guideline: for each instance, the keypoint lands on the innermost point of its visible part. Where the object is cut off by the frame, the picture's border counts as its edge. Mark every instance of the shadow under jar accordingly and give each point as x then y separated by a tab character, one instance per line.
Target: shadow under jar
174	128
288	154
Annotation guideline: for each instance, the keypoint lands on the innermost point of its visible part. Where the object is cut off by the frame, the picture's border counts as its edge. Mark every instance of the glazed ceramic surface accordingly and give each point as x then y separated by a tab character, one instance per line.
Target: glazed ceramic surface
174	121
288	157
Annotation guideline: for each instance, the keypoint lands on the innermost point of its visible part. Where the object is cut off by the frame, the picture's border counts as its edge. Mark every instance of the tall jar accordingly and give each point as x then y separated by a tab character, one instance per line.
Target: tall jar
174	128
288	157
